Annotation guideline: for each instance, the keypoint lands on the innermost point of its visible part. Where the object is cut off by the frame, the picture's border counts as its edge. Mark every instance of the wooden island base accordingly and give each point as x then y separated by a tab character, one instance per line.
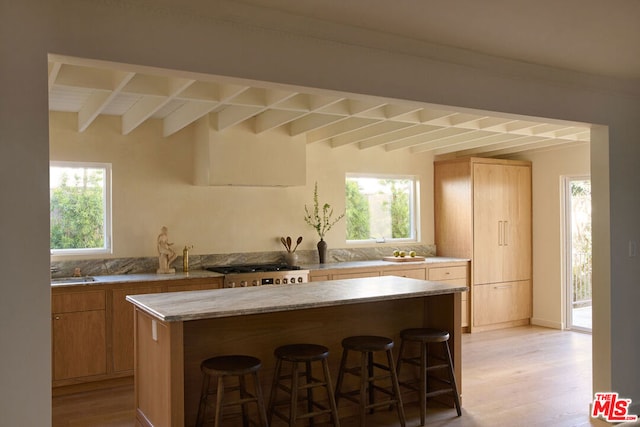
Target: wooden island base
168	353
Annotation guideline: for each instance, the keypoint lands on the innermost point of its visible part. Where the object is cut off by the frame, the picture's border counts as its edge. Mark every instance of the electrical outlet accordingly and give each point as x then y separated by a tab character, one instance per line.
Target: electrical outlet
633	248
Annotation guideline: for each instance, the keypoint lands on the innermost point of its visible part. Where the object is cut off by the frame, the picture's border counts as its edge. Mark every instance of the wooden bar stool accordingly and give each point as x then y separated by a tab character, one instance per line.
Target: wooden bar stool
231	366
364	396
427	362
301	354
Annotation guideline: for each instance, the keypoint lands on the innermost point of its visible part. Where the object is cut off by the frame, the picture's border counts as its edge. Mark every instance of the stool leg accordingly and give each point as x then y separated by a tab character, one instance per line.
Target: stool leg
274	390
364	381
204	395
220	395
309	391
396	387
332	401
243	394
343	362
370	375
424	348
294	394
452	376
260	397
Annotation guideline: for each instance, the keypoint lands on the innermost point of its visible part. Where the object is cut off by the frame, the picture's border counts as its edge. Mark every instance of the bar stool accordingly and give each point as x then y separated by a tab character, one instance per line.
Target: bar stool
298	354
364	396
424	337
231	366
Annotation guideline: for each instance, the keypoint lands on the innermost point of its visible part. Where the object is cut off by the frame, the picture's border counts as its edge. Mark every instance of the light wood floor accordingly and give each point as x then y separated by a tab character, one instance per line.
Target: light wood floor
527	376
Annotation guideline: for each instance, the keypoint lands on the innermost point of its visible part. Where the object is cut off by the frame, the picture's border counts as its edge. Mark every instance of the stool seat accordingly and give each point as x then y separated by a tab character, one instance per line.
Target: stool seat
424	335
301	380
370	381
236	364
230	366
367	343
302	352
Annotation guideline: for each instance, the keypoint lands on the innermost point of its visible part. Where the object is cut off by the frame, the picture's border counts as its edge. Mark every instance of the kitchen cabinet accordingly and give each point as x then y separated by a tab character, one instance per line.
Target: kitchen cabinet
483	212
78	334
456	275
122	325
455	272
92	328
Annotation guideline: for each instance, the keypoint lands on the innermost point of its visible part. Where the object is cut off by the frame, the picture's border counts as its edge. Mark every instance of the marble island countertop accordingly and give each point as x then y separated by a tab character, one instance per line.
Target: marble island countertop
196	305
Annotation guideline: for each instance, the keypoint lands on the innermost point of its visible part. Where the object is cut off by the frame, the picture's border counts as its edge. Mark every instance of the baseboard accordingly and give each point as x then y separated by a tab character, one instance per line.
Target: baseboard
547	323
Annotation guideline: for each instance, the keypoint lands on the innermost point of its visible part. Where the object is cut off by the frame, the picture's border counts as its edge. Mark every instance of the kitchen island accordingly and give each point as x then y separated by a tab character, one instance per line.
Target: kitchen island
175	332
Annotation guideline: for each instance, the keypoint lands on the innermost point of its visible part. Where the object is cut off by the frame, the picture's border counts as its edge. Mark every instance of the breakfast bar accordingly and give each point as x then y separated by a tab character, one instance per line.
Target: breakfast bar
175	332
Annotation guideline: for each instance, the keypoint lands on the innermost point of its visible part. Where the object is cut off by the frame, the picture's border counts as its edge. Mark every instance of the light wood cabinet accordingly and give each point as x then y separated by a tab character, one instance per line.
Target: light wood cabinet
456	275
412	273
78	335
122	325
483	212
92	327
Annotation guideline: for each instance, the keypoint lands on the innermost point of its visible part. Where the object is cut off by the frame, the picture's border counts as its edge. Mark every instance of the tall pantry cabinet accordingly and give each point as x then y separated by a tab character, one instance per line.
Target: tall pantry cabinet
483	212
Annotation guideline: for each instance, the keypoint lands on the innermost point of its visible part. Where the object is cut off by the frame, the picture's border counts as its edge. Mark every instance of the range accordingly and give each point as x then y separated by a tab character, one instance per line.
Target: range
244	275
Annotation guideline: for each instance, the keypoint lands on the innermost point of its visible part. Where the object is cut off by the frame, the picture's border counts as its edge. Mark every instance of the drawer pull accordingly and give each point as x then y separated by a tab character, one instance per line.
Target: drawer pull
502	287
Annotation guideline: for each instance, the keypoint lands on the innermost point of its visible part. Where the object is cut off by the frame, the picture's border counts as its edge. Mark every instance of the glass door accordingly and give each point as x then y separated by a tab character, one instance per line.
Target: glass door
577	256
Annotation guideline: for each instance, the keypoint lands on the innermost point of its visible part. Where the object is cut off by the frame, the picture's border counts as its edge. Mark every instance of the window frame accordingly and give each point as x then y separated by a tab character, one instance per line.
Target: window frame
414	208
107	203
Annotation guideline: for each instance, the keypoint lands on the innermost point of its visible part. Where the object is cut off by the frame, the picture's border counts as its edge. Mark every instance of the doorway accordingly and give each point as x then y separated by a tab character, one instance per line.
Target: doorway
577	252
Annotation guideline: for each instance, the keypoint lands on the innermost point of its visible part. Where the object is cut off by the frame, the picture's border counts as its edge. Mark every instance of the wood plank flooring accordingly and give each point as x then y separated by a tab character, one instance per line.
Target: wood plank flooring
525	376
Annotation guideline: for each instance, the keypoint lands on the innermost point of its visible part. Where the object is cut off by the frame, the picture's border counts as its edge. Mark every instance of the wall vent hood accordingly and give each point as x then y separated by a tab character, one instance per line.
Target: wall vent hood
239	156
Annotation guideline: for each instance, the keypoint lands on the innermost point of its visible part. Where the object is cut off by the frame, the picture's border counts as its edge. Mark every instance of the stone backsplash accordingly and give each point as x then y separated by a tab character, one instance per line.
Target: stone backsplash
111	266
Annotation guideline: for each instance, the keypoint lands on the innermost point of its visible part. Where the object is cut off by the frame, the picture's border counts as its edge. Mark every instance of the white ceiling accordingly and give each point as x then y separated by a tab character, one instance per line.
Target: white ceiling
137	94
596	37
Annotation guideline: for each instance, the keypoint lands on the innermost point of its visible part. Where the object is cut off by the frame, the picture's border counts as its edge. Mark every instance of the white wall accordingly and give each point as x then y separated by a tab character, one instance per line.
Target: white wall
153	186
548	168
161	34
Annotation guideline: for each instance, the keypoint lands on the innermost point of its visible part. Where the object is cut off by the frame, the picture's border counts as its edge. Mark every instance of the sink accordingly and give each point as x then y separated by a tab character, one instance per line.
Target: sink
74	280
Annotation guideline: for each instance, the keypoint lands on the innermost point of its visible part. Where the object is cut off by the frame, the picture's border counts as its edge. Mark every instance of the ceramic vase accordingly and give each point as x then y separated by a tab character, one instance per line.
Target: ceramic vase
322	251
291	258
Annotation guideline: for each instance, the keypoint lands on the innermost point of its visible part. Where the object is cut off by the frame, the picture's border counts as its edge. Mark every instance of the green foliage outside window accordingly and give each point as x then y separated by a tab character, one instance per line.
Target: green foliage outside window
357	213
379	208
77	209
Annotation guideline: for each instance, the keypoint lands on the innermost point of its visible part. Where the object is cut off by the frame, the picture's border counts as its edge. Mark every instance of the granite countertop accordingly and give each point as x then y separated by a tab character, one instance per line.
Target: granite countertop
126	278
196	305
196	273
378	263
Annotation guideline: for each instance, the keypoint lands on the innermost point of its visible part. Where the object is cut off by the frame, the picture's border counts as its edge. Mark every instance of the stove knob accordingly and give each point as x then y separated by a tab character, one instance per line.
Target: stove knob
256	282
231	285
285	281
299	279
277	281
243	283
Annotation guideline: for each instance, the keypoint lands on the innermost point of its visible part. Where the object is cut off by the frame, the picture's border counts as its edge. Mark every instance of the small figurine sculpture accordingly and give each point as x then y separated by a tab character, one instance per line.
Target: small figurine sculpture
166	254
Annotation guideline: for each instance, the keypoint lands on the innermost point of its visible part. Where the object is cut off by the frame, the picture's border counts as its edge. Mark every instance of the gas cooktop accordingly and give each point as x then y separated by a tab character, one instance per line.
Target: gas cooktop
250	268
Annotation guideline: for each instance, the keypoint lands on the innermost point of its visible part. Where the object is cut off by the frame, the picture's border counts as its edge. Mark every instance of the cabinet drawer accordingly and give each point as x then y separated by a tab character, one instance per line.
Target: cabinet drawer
446	273
78	301
412	273
501	302
356	275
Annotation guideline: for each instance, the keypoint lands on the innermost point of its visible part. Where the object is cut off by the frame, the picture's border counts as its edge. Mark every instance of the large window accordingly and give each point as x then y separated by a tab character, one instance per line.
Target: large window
80	207
381	208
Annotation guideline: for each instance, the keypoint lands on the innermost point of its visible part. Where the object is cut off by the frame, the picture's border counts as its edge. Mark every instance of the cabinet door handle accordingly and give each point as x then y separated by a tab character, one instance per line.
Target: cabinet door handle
500	230
502	287
505	233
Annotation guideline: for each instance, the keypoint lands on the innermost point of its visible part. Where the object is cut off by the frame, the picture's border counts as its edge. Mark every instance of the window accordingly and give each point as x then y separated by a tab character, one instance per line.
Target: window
80	208
381	208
